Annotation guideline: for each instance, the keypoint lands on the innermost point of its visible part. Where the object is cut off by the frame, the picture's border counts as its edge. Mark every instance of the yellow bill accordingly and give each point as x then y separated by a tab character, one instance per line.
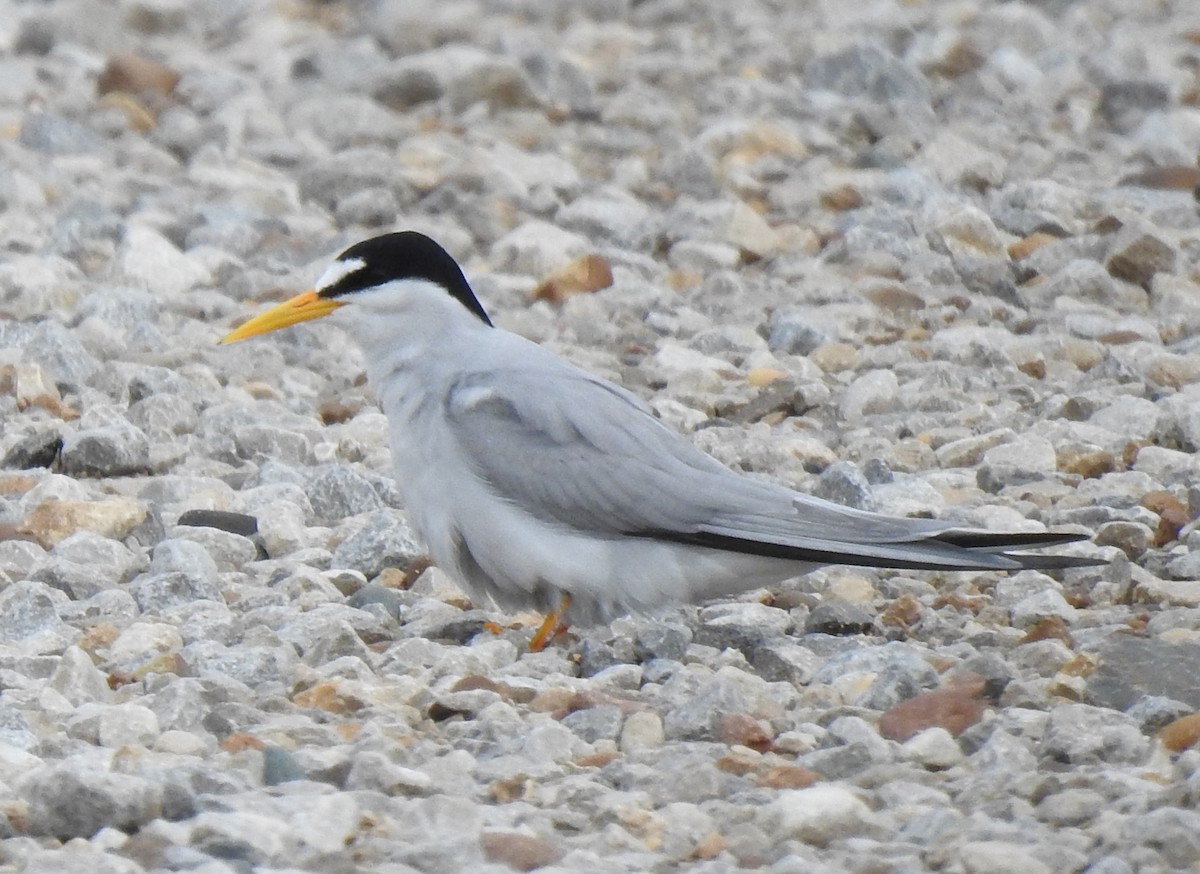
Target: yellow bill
300	308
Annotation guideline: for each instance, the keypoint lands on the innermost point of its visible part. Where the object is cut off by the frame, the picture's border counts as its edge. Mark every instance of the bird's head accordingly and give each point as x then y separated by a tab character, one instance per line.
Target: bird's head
393	272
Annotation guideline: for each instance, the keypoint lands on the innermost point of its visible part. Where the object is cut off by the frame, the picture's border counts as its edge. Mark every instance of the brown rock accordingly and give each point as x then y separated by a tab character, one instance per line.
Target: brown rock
519	851
1025	247
1138	253
904	612
1088	463
955	707
1173	178
1050	628
327	696
16	484
893	297
1035	367
52	521
585	274
787	777
1182	733
842	198
98	636
1172	515
738	763
835	357
711	845
134	74
239	741
743	729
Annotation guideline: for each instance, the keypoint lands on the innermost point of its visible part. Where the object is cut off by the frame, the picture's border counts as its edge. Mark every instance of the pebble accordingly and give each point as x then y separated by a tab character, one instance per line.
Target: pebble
819	814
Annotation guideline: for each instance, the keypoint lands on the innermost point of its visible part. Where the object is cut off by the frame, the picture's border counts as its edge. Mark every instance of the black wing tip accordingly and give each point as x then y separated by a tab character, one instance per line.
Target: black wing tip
942	555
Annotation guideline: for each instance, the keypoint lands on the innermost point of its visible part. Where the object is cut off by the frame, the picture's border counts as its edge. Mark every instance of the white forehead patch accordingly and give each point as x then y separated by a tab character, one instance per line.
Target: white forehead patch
338	271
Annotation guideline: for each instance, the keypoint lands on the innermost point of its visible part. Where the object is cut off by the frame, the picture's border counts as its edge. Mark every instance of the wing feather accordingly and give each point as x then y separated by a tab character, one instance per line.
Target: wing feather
574	450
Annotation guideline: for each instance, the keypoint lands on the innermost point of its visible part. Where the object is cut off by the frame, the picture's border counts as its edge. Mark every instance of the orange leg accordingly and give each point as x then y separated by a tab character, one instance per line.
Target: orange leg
551	626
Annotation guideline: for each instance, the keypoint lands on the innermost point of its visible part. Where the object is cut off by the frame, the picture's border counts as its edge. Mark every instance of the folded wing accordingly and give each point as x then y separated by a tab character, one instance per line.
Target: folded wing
577	451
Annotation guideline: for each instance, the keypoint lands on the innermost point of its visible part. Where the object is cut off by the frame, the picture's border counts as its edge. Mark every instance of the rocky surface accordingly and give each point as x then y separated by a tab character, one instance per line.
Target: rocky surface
935	259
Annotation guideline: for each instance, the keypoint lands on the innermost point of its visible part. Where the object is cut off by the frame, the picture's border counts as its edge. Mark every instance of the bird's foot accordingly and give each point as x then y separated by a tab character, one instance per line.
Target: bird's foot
551	626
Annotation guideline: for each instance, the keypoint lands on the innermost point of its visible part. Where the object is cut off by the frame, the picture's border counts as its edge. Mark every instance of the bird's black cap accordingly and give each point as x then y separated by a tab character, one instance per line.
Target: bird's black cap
405	255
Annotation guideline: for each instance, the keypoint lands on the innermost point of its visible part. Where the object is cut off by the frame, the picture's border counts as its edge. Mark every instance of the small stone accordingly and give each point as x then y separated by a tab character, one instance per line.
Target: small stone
876	391
1071	807
585	274
134	74
1082	734
52	521
40	449
159	592
78	679
125	724
1182	733
843	483
839	618
934	748
149	261
518	851
819	814
538	249
279	766
643	729
30	618
108	451
66	801
595	723
384	542
1000	857
51	134
337	491
954	708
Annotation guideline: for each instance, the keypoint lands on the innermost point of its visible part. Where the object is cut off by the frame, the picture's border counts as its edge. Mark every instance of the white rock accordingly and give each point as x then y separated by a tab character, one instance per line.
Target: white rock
537	248
819	814
150	261
934	748
127	724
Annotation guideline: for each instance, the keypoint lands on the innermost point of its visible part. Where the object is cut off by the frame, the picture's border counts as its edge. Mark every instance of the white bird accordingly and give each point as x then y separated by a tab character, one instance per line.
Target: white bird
539	485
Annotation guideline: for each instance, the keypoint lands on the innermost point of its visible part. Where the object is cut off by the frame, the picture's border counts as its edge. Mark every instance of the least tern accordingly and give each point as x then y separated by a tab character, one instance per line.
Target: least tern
536	484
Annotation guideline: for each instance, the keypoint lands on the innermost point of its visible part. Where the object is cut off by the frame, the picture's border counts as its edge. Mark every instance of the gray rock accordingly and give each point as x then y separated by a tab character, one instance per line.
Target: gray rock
602	722
1079	733
337	491
71	801
109	451
280	766
839	618
1124	103
30	617
742	626
819	815
251	665
843	483
1171	831
77	581
790	331
52	134
1132	667
375	771
785	661
385	541
158	592
183	556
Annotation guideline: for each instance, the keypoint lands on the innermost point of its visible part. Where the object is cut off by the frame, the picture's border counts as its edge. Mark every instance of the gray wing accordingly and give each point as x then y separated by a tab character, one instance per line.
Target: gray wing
575	450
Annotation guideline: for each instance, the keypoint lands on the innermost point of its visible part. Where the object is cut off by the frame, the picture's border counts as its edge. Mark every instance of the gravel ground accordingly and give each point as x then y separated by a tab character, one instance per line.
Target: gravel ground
931	258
